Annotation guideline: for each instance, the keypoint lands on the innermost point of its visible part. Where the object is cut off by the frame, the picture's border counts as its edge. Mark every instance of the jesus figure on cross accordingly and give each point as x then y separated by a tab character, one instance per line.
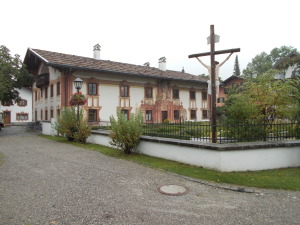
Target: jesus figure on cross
218	65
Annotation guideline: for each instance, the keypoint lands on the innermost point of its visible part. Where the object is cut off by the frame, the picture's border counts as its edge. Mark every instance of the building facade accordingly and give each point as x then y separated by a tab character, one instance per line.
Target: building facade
158	93
230	82
19	112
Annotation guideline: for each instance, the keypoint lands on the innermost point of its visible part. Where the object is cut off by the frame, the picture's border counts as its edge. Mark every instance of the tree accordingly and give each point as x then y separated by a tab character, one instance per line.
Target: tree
264	62
125	133
260	64
13	75
236	69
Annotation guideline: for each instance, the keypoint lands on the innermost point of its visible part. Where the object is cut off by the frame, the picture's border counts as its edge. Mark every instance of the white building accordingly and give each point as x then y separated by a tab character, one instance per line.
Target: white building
20	112
159	93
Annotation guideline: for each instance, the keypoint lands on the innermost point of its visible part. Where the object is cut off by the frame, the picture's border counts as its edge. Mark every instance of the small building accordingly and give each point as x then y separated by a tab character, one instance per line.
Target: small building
232	81
107	85
19	112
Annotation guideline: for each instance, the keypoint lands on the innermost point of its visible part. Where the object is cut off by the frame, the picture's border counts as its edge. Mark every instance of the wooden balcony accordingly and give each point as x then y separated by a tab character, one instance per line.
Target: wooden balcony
42	80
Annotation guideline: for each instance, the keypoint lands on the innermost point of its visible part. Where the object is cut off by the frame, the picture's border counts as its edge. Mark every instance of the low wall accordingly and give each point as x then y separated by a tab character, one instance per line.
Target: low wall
221	157
48	127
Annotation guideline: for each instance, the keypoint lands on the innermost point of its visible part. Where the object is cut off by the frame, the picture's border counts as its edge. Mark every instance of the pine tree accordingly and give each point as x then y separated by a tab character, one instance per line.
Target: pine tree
236	69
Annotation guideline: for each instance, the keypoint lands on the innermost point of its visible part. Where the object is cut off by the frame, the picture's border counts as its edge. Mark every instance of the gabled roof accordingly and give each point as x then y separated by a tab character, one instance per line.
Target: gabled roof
60	60
233	77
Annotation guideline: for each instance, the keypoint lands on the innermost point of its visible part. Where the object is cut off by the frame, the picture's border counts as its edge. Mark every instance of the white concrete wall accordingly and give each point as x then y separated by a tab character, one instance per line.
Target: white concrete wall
225	161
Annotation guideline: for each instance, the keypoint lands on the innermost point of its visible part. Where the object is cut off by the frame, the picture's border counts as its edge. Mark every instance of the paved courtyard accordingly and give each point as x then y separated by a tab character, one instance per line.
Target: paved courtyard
46	182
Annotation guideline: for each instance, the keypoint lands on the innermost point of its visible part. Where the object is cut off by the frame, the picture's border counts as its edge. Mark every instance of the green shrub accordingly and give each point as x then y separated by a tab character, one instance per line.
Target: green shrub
125	134
67	125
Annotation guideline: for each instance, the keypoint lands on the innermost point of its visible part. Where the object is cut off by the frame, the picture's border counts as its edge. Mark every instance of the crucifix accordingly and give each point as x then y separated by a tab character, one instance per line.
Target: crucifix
213	75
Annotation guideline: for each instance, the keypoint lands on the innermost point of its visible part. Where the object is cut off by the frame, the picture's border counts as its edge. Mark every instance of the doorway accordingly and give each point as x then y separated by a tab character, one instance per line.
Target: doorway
164	115
6	117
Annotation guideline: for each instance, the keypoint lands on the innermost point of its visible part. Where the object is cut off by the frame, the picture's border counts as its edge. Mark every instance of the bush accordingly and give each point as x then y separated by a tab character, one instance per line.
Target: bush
125	134
67	125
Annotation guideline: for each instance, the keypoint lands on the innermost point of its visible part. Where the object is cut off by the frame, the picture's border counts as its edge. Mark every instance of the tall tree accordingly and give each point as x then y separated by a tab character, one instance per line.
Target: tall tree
264	62
13	74
236	69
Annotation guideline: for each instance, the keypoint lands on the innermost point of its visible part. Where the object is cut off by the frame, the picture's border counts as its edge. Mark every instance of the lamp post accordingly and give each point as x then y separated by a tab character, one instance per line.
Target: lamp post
78	85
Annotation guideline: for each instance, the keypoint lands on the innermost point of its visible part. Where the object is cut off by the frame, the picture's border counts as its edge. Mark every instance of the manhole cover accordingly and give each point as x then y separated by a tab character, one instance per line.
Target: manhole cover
172	189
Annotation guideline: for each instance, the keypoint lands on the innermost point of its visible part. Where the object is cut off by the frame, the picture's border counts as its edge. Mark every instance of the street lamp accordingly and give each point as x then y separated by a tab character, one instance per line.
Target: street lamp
78	85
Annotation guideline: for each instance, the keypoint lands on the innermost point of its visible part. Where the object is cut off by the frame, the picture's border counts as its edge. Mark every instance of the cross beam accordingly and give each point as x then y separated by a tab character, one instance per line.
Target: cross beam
215	53
212	54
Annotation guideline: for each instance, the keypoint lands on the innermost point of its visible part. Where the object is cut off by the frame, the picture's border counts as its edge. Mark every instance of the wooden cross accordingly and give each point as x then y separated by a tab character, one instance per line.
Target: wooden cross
212	54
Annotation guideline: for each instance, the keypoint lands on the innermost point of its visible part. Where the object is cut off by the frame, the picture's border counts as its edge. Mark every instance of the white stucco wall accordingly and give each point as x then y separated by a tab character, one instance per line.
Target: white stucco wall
221	160
109	100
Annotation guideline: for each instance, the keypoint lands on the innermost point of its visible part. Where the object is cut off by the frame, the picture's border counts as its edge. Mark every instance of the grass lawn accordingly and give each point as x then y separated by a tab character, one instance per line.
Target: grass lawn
288	179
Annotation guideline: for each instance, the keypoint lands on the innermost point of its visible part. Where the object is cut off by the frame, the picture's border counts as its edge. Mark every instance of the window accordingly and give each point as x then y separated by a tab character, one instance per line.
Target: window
204	95
7	103
193	115
204	114
148	115
22	102
192	95
35	115
46	92
51	90
175	93
176	114
35	95
41	114
92	115
225	90
125	112
220	100
148	92
92	89
22	116
46	114
51	113
58	112
124	91
41	92
58	88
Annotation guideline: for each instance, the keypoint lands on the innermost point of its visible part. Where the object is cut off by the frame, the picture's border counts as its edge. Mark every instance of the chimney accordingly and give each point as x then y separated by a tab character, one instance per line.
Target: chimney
97	51
162	63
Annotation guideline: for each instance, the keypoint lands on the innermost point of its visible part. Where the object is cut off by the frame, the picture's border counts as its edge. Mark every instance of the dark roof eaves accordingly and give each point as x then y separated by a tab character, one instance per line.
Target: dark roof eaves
118	72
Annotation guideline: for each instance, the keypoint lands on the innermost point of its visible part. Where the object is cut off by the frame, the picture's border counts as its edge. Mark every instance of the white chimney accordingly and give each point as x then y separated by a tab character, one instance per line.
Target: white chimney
97	51
162	63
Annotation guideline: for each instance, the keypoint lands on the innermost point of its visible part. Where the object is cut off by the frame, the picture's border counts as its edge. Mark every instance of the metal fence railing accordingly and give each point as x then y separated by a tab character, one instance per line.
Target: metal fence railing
226	133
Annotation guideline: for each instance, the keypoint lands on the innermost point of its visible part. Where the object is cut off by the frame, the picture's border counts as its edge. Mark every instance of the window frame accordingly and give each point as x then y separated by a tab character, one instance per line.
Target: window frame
124	91
51	91
94	116
204	95
192	95
21	101
193	114
175	93
92	90
147	117
148	92
58	88
22	114
204	114
176	115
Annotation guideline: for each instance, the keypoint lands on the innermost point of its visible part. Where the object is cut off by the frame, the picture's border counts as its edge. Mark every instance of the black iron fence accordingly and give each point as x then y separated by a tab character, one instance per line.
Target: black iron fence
226	133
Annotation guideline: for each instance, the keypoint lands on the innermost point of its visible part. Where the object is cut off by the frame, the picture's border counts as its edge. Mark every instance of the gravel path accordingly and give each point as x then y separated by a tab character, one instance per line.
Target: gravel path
46	182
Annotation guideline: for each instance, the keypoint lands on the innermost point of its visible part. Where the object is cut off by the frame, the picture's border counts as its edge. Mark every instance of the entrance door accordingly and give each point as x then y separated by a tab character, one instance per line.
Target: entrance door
6	117
164	115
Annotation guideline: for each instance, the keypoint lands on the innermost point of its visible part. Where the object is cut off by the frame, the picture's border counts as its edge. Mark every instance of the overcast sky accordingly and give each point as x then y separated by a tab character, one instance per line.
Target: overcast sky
138	31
